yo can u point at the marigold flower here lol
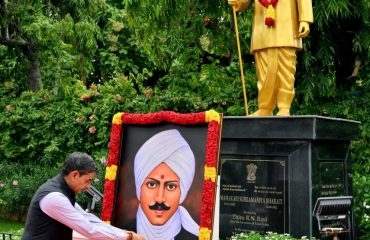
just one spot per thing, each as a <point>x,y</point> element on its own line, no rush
<point>117,118</point>
<point>212,115</point>
<point>111,172</point>
<point>204,234</point>
<point>210,173</point>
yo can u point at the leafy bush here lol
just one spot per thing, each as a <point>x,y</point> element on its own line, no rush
<point>17,186</point>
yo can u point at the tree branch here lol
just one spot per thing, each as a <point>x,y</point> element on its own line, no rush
<point>13,42</point>
<point>17,29</point>
<point>2,7</point>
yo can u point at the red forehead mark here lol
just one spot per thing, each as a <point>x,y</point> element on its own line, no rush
<point>162,176</point>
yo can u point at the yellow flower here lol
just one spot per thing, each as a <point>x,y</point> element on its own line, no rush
<point>270,12</point>
<point>113,48</point>
<point>204,234</point>
<point>111,172</point>
<point>117,26</point>
<point>107,222</point>
<point>117,118</point>
<point>210,173</point>
<point>113,38</point>
<point>212,115</point>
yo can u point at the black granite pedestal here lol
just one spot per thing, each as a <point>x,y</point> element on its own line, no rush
<point>273,169</point>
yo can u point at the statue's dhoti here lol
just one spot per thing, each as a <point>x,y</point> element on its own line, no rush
<point>275,72</point>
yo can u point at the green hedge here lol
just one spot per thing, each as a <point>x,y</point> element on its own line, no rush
<point>38,129</point>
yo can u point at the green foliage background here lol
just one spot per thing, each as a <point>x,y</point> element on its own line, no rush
<point>100,57</point>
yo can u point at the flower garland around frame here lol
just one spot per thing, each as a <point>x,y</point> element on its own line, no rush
<point>211,117</point>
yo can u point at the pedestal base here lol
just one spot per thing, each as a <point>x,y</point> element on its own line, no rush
<point>274,168</point>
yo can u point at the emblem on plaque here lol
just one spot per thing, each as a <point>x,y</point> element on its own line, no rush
<point>251,169</point>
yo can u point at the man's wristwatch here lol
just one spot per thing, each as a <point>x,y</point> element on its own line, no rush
<point>130,236</point>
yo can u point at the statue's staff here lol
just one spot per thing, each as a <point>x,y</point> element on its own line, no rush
<point>240,61</point>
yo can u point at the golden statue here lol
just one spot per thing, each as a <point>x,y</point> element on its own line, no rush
<point>278,29</point>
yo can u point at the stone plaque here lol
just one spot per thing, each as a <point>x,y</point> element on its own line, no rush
<point>253,196</point>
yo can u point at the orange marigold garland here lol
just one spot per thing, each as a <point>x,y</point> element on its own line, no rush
<point>210,165</point>
<point>270,11</point>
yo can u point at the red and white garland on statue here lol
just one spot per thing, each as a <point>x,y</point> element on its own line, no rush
<point>270,12</point>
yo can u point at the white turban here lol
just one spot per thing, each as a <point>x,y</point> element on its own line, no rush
<point>167,147</point>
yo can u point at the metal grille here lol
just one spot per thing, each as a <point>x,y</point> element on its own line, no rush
<point>333,208</point>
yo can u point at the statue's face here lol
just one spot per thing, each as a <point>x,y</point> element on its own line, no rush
<point>160,194</point>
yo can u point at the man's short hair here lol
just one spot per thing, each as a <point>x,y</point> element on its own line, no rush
<point>79,161</point>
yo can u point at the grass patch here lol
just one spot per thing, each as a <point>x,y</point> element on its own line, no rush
<point>10,226</point>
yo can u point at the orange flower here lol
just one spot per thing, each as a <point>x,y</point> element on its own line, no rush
<point>148,92</point>
<point>85,97</point>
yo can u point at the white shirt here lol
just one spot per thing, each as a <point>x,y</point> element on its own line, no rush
<point>57,206</point>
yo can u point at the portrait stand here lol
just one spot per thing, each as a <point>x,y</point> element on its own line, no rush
<point>131,135</point>
<point>95,196</point>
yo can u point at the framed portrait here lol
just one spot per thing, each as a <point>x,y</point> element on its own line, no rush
<point>161,174</point>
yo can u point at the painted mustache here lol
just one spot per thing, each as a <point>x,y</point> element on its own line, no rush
<point>159,206</point>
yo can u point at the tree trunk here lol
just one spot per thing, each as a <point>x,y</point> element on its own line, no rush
<point>34,76</point>
<point>20,40</point>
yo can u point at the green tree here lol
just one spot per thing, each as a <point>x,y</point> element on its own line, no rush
<point>13,36</point>
<point>61,42</point>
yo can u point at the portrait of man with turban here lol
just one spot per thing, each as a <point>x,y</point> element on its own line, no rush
<point>160,188</point>
<point>164,168</point>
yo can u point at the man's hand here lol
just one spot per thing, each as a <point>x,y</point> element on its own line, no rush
<point>137,237</point>
<point>133,236</point>
<point>233,2</point>
<point>238,5</point>
<point>304,29</point>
